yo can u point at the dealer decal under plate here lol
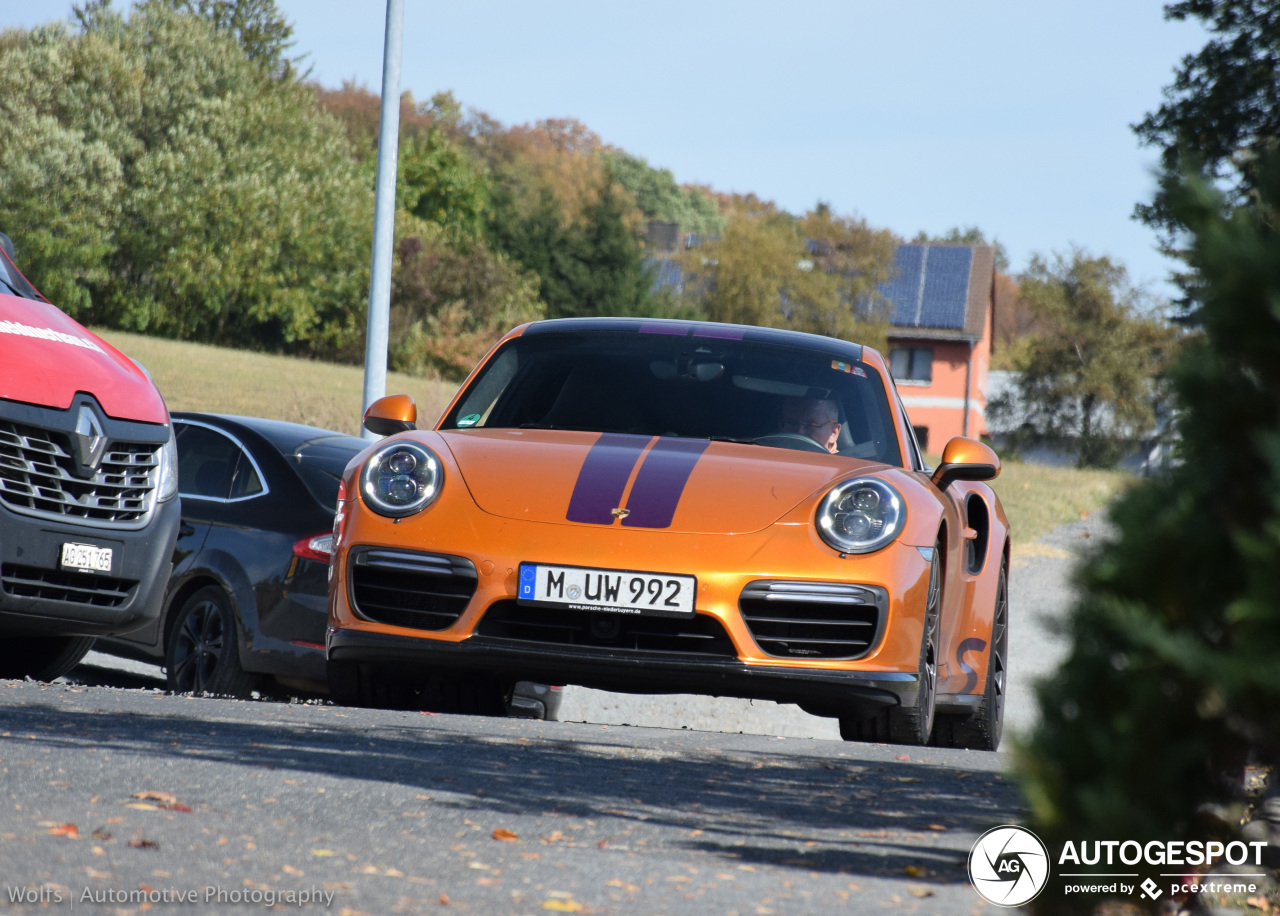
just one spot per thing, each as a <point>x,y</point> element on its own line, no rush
<point>615,591</point>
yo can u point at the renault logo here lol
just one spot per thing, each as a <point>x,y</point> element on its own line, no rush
<point>91,439</point>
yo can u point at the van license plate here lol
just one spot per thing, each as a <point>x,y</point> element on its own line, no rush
<point>86,558</point>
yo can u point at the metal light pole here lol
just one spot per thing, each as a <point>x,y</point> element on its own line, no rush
<point>384,213</point>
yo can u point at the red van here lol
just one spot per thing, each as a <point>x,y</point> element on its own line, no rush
<point>88,486</point>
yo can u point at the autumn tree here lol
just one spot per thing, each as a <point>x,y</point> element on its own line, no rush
<point>765,270</point>
<point>1092,370</point>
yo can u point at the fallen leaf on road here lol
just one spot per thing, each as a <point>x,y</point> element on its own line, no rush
<point>141,842</point>
<point>444,899</point>
<point>937,827</point>
<point>151,795</point>
<point>290,870</point>
<point>562,906</point>
<point>505,836</point>
<point>630,888</point>
<point>903,757</point>
<point>920,892</point>
<point>70,830</point>
<point>915,871</point>
<point>322,853</point>
<point>100,834</point>
<point>142,805</point>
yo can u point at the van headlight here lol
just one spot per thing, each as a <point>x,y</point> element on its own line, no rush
<point>401,478</point>
<point>168,468</point>
<point>861,515</point>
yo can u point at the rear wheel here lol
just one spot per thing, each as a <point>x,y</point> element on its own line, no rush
<point>910,724</point>
<point>43,658</point>
<point>201,654</point>
<point>981,731</point>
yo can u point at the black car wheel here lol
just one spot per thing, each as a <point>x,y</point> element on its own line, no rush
<point>981,731</point>
<point>201,655</point>
<point>910,724</point>
<point>42,658</point>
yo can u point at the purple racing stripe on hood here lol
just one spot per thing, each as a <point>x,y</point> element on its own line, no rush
<point>661,481</point>
<point>603,477</point>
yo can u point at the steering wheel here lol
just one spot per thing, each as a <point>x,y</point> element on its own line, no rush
<point>796,441</point>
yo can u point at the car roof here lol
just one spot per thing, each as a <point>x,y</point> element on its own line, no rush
<point>288,438</point>
<point>700,329</point>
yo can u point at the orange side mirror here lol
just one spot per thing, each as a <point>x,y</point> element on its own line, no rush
<point>390,415</point>
<point>966,459</point>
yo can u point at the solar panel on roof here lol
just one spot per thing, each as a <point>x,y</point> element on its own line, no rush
<point>904,289</point>
<point>946,288</point>
<point>930,287</point>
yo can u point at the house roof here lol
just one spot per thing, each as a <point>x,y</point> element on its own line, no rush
<point>940,292</point>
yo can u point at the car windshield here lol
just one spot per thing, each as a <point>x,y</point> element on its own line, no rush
<point>761,392</point>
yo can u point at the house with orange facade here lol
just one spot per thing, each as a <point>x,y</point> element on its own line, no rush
<point>942,301</point>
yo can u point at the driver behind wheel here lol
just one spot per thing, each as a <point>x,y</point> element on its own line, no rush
<point>819,420</point>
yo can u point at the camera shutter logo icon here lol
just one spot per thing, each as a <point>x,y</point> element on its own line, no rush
<point>1008,866</point>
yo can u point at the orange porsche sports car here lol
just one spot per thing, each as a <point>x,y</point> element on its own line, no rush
<point>675,507</point>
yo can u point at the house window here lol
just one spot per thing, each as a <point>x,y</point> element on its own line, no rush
<point>911,364</point>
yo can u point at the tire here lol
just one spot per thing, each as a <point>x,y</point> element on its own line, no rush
<point>910,724</point>
<point>202,655</point>
<point>981,731</point>
<point>42,658</point>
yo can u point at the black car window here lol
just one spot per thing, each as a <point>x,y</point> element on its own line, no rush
<point>245,480</point>
<point>684,386</point>
<point>207,461</point>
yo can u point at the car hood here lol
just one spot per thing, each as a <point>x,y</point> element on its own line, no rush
<point>681,485</point>
<point>48,357</point>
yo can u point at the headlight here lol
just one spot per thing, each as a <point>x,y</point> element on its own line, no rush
<point>861,515</point>
<point>401,478</point>
<point>168,468</point>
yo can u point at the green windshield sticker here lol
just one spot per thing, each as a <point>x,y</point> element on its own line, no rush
<point>470,419</point>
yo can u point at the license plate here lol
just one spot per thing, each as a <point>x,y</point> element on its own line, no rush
<point>86,558</point>
<point>614,591</point>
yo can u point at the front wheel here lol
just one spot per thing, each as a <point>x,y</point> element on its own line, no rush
<point>42,658</point>
<point>201,655</point>
<point>910,724</point>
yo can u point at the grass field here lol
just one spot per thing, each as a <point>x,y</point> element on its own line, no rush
<point>199,377</point>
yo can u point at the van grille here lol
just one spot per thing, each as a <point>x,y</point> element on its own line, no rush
<point>403,588</point>
<point>813,619</point>
<point>699,635</point>
<point>37,477</point>
<point>56,585</point>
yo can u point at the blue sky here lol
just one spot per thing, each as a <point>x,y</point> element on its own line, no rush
<point>1012,116</point>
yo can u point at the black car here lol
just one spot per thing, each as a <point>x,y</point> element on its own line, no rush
<point>248,597</point>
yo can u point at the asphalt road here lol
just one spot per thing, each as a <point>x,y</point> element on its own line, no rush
<point>109,793</point>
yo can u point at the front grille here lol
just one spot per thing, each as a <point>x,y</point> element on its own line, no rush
<point>56,585</point>
<point>402,588</point>
<point>699,635</point>
<point>37,477</point>
<point>813,619</point>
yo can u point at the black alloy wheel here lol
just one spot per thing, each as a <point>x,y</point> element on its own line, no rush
<point>910,724</point>
<point>202,656</point>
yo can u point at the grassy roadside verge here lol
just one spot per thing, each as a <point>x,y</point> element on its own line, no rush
<point>200,377</point>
